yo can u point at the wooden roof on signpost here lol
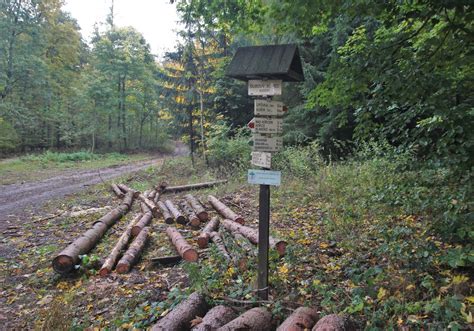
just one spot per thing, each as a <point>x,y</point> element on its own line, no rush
<point>267,62</point>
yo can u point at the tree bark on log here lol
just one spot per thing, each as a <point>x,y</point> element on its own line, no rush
<point>133,252</point>
<point>301,319</point>
<point>217,239</point>
<point>110,261</point>
<point>215,318</point>
<point>192,217</point>
<point>225,211</point>
<point>335,322</point>
<point>211,226</point>
<point>197,207</point>
<point>175,212</point>
<point>181,188</point>
<point>118,192</point>
<point>65,261</point>
<point>150,204</point>
<point>184,249</point>
<point>179,319</point>
<point>142,223</point>
<point>126,189</point>
<point>255,319</point>
<point>252,235</point>
<point>166,213</point>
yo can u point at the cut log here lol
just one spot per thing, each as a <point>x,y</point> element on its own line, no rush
<point>216,239</point>
<point>142,223</point>
<point>225,211</point>
<point>197,207</point>
<point>203,238</point>
<point>126,189</point>
<point>194,221</point>
<point>301,319</point>
<point>118,192</point>
<point>335,322</point>
<point>150,204</point>
<point>65,261</point>
<point>181,188</point>
<point>175,212</point>
<point>255,319</point>
<point>184,249</point>
<point>252,235</point>
<point>110,261</point>
<point>181,316</point>
<point>166,260</point>
<point>165,212</point>
<point>133,252</point>
<point>215,318</point>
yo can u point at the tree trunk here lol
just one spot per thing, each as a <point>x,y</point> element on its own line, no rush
<point>198,207</point>
<point>166,213</point>
<point>132,254</point>
<point>192,217</point>
<point>141,224</point>
<point>215,318</point>
<point>210,227</point>
<point>216,239</point>
<point>255,319</point>
<point>225,211</point>
<point>118,248</point>
<point>126,189</point>
<point>335,322</point>
<point>175,212</point>
<point>184,249</point>
<point>150,204</point>
<point>179,319</point>
<point>117,191</point>
<point>301,319</point>
<point>180,188</point>
<point>65,261</point>
<point>252,235</point>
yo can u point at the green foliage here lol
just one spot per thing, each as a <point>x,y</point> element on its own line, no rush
<point>8,136</point>
<point>64,157</point>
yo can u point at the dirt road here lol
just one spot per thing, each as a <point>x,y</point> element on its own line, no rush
<point>17,200</point>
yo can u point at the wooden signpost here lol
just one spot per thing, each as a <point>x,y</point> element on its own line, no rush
<point>265,68</point>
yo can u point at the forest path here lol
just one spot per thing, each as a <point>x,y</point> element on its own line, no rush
<point>19,200</point>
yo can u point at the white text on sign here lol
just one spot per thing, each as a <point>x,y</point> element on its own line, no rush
<point>264,177</point>
<point>265,87</point>
<point>262,159</point>
<point>268,125</point>
<point>263,143</point>
<point>268,108</point>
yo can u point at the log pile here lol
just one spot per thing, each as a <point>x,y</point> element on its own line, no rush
<point>194,220</point>
<point>224,211</point>
<point>197,207</point>
<point>65,261</point>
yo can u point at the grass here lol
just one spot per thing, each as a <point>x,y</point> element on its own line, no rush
<point>35,167</point>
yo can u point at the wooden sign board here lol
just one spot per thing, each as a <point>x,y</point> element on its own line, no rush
<point>263,143</point>
<point>262,159</point>
<point>268,108</point>
<point>264,87</point>
<point>264,177</point>
<point>268,125</point>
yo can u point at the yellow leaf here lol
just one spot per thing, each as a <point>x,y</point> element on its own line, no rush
<point>410,287</point>
<point>460,279</point>
<point>470,299</point>
<point>323,245</point>
<point>316,282</point>
<point>382,293</point>
<point>283,269</point>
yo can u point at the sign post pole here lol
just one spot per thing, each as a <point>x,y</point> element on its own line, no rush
<point>263,241</point>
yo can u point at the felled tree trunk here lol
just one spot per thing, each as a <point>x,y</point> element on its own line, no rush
<point>335,322</point>
<point>117,191</point>
<point>181,316</point>
<point>175,212</point>
<point>165,212</point>
<point>215,318</point>
<point>126,189</point>
<point>301,319</point>
<point>211,226</point>
<point>197,207</point>
<point>110,261</point>
<point>132,254</point>
<point>225,211</point>
<point>184,249</point>
<point>150,204</point>
<point>65,261</point>
<point>143,222</point>
<point>189,187</point>
<point>252,235</point>
<point>216,239</point>
<point>192,217</point>
<point>255,319</point>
